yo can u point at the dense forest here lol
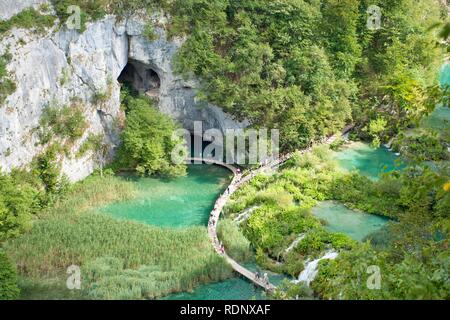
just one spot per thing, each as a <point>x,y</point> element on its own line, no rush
<point>305,67</point>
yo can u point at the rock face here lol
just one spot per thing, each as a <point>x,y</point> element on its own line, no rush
<point>63,65</point>
<point>12,7</point>
<point>176,95</point>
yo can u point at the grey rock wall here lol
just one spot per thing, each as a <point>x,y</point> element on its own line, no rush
<point>64,64</point>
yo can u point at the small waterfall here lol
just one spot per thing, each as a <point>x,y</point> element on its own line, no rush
<point>389,144</point>
<point>345,136</point>
<point>244,215</point>
<point>294,243</point>
<point>310,271</point>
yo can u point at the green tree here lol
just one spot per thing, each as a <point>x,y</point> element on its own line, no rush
<point>147,141</point>
<point>17,202</point>
<point>8,279</point>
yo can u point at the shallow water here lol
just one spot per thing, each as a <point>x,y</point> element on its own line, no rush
<point>187,201</point>
<point>369,161</point>
<point>355,224</point>
<point>444,77</point>
<point>230,289</point>
<point>180,202</point>
<point>236,288</point>
<point>183,202</point>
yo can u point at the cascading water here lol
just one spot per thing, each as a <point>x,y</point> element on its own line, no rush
<point>245,215</point>
<point>310,271</point>
<point>294,243</point>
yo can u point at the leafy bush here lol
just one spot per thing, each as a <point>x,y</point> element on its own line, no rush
<point>147,141</point>
<point>67,122</point>
<point>288,290</point>
<point>149,32</point>
<point>8,279</point>
<point>48,171</point>
<point>424,146</point>
<point>416,276</point>
<point>92,143</point>
<point>24,193</point>
<point>7,85</point>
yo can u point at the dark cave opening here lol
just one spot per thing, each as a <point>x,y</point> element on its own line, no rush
<point>142,78</point>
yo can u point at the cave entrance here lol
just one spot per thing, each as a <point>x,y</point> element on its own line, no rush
<point>142,78</point>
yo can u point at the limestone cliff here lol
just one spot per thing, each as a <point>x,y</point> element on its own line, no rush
<point>63,65</point>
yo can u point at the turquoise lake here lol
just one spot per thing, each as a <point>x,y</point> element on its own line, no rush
<point>180,202</point>
<point>187,201</point>
<point>369,161</point>
<point>353,223</point>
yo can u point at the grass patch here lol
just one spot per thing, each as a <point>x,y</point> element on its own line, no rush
<point>119,259</point>
<point>235,243</point>
<point>28,19</point>
<point>46,289</point>
<point>7,85</point>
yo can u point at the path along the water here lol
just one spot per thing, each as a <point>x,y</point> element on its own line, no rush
<point>238,181</point>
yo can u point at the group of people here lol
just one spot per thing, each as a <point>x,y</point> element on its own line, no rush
<point>264,278</point>
<point>221,247</point>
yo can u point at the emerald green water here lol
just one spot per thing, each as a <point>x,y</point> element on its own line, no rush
<point>444,77</point>
<point>230,289</point>
<point>369,161</point>
<point>188,201</point>
<point>179,202</point>
<point>353,223</point>
<point>184,202</point>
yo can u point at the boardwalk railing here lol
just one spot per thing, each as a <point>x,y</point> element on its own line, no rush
<point>236,183</point>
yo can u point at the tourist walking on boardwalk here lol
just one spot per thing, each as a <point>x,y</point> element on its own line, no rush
<point>266,278</point>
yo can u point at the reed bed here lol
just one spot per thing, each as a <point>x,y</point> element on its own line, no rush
<point>91,193</point>
<point>119,259</point>
<point>235,243</point>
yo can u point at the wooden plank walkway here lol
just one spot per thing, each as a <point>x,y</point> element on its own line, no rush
<point>215,216</point>
<point>238,181</point>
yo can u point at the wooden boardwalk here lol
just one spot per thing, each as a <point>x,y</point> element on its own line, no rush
<point>214,217</point>
<point>238,181</point>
